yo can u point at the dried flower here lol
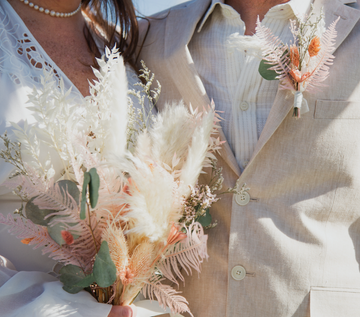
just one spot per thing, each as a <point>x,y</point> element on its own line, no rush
<point>27,240</point>
<point>142,224</point>
<point>302,65</point>
<point>314,47</point>
<point>294,56</point>
<point>175,235</point>
<point>67,236</point>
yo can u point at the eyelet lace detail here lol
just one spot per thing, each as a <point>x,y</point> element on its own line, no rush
<point>20,59</point>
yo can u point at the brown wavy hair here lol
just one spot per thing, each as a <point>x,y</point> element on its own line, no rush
<point>116,20</point>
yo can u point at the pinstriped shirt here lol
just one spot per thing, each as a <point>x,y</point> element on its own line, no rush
<point>227,62</point>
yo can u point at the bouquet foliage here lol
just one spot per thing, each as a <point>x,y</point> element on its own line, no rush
<point>124,212</point>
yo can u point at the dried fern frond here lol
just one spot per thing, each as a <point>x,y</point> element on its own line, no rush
<point>187,254</point>
<point>324,59</point>
<point>166,296</point>
<point>38,236</point>
<point>275,52</point>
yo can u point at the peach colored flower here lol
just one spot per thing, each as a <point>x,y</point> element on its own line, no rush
<point>67,236</point>
<point>305,76</point>
<point>127,276</point>
<point>296,74</point>
<point>175,235</point>
<point>294,56</point>
<point>27,240</point>
<point>314,47</point>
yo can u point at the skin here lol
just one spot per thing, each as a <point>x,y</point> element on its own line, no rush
<point>64,41</point>
<point>250,10</point>
<point>61,38</point>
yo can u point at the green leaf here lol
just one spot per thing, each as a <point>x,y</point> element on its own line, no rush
<point>55,233</point>
<point>265,72</point>
<point>206,219</point>
<point>87,179</point>
<point>94,186</point>
<point>87,281</point>
<point>74,279</point>
<point>37,215</point>
<point>71,188</point>
<point>72,289</point>
<point>104,268</point>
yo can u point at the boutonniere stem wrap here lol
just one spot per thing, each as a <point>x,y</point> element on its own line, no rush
<point>304,64</point>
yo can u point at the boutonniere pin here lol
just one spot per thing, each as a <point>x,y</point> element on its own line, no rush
<point>302,65</point>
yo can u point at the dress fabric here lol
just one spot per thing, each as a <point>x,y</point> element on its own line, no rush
<point>31,292</point>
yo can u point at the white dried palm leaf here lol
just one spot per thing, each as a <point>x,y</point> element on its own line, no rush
<point>153,199</point>
<point>172,134</point>
<point>197,153</point>
<point>143,148</point>
<point>107,106</point>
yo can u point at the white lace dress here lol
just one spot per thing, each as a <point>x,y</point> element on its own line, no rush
<point>32,292</point>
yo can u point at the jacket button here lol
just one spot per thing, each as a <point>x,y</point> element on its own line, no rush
<point>244,106</point>
<point>242,198</point>
<point>238,273</point>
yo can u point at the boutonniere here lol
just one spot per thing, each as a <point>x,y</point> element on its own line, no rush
<point>302,65</point>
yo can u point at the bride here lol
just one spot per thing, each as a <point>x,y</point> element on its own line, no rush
<point>63,37</point>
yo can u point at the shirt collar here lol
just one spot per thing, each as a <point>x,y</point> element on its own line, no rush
<point>293,7</point>
<point>213,4</point>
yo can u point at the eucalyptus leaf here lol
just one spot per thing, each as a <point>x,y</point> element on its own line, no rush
<point>55,230</point>
<point>94,186</point>
<point>37,215</point>
<point>104,268</point>
<point>72,289</point>
<point>71,274</point>
<point>73,278</point>
<point>265,72</point>
<point>55,233</point>
<point>87,179</point>
<point>87,281</point>
<point>71,188</point>
<point>206,219</point>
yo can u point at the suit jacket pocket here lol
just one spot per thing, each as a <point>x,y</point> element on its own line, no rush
<point>334,302</point>
<point>337,109</point>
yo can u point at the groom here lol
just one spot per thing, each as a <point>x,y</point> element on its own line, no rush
<point>290,244</point>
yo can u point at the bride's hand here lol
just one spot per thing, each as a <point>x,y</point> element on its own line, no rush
<point>123,311</point>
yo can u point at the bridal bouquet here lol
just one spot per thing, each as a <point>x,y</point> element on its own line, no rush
<point>126,212</point>
<point>304,64</point>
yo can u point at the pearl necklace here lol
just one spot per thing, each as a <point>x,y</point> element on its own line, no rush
<point>51,12</point>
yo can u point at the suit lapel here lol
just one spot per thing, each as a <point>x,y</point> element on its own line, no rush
<point>179,61</point>
<point>332,10</point>
<point>283,102</point>
<point>183,70</point>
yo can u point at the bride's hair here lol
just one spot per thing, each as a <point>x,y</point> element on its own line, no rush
<point>117,23</point>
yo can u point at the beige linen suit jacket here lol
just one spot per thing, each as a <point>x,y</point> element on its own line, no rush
<point>299,236</point>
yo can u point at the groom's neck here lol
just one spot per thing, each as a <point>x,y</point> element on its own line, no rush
<point>250,10</point>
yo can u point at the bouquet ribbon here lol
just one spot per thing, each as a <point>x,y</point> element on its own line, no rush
<point>300,102</point>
